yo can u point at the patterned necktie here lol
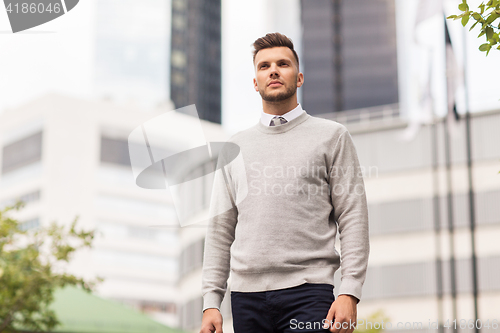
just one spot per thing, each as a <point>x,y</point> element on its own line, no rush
<point>277,120</point>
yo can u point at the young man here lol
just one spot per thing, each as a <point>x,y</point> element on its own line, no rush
<point>298,183</point>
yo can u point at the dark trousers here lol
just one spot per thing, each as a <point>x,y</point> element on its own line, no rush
<point>301,308</point>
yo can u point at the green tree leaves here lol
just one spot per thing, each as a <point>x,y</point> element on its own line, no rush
<point>486,16</point>
<point>31,269</point>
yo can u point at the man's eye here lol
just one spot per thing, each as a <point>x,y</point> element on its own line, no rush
<point>284,64</point>
<point>263,66</point>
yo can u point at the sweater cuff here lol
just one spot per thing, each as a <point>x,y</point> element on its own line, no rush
<point>350,287</point>
<point>211,300</point>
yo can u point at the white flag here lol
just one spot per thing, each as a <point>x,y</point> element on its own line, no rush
<point>427,21</point>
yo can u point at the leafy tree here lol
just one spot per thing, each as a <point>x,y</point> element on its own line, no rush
<point>486,16</point>
<point>32,267</point>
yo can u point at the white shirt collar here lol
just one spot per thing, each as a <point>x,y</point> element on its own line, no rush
<point>265,118</point>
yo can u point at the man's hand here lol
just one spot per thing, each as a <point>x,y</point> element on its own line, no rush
<point>211,321</point>
<point>344,311</point>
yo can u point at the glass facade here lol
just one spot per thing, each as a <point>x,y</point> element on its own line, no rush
<point>195,67</point>
<point>349,54</point>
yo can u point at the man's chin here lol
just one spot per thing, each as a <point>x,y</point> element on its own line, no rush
<point>276,97</point>
<point>273,98</point>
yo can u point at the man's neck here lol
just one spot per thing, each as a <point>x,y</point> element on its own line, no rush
<point>279,108</point>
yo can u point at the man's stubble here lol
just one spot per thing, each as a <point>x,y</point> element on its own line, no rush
<point>281,96</point>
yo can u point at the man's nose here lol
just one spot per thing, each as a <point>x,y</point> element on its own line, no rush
<point>274,70</point>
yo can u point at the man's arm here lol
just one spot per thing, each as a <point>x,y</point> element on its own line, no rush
<point>218,241</point>
<point>351,213</point>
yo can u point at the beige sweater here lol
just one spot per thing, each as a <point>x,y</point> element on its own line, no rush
<point>277,204</point>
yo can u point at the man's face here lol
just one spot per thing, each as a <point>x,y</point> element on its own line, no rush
<point>276,74</point>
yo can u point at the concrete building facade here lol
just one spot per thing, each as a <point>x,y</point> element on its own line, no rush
<point>67,157</point>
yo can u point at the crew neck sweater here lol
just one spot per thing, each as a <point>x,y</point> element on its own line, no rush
<point>265,118</point>
<point>276,209</point>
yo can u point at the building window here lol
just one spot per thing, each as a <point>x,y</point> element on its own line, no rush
<point>178,79</point>
<point>179,5</point>
<point>135,207</point>
<point>110,230</point>
<point>191,314</point>
<point>191,257</point>
<point>179,59</point>
<point>114,151</point>
<point>179,22</point>
<point>26,198</point>
<point>30,224</point>
<point>136,261</point>
<point>22,152</point>
<point>419,279</point>
<point>152,306</point>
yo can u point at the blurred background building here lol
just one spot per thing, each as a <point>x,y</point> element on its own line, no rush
<point>67,157</point>
<point>195,74</point>
<point>411,205</point>
<point>349,54</point>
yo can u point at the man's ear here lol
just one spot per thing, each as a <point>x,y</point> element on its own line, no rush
<point>300,79</point>
<point>255,86</point>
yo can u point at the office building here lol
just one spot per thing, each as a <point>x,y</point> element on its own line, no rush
<point>349,55</point>
<point>195,66</point>
<point>67,157</point>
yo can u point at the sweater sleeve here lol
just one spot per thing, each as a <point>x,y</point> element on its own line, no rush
<point>218,240</point>
<point>351,214</point>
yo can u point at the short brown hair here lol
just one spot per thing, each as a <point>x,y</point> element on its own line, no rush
<point>274,39</point>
